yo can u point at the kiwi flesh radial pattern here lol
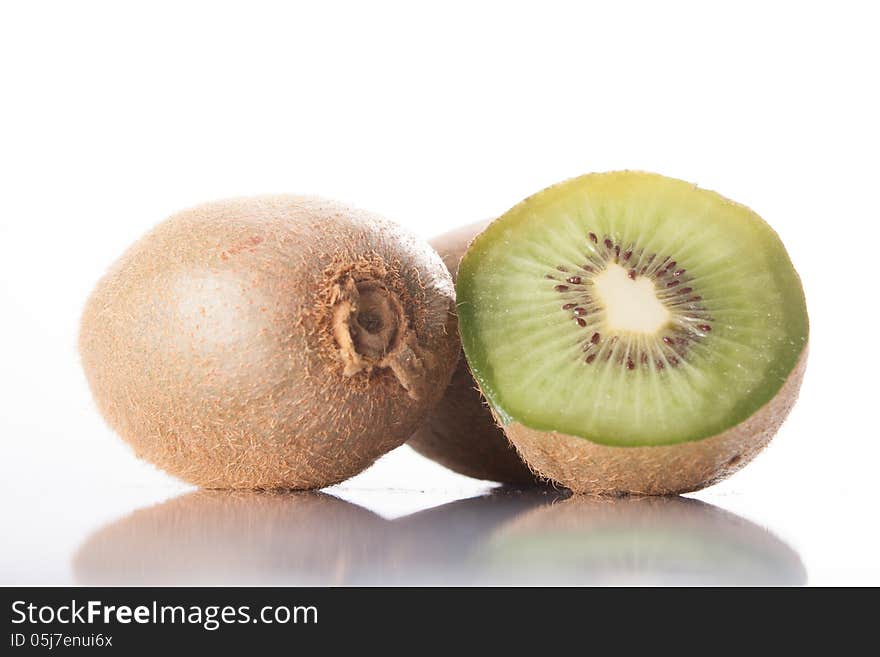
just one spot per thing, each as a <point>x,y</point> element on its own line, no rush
<point>633,333</point>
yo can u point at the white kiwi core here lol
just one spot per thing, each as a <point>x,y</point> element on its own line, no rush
<point>631,306</point>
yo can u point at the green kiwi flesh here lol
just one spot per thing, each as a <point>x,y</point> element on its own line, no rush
<point>270,342</point>
<point>633,333</point>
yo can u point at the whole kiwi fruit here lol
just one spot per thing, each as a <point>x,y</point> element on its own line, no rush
<point>270,342</point>
<point>633,334</point>
<point>460,432</point>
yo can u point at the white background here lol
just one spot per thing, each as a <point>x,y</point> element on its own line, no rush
<point>113,116</point>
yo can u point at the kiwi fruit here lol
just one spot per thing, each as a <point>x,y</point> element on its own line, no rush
<point>633,334</point>
<point>587,540</point>
<point>460,432</point>
<point>211,537</point>
<point>270,342</point>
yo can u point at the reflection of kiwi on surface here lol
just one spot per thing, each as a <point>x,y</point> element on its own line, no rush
<point>234,537</point>
<point>460,432</point>
<point>438,546</point>
<point>270,342</point>
<point>633,333</point>
<point>655,540</point>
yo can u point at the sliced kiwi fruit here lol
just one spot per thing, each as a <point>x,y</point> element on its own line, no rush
<point>460,432</point>
<point>270,342</point>
<point>633,333</point>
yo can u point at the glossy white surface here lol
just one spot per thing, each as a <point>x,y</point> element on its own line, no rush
<point>114,117</point>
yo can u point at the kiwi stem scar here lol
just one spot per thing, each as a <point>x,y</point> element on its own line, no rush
<point>372,331</point>
<point>367,320</point>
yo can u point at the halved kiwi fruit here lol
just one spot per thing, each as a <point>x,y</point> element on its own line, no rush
<point>460,432</point>
<point>633,333</point>
<point>270,342</point>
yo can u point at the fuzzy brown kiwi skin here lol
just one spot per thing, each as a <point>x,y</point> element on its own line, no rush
<point>226,346</point>
<point>460,433</point>
<point>590,468</point>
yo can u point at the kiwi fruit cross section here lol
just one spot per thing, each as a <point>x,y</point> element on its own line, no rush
<point>633,333</point>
